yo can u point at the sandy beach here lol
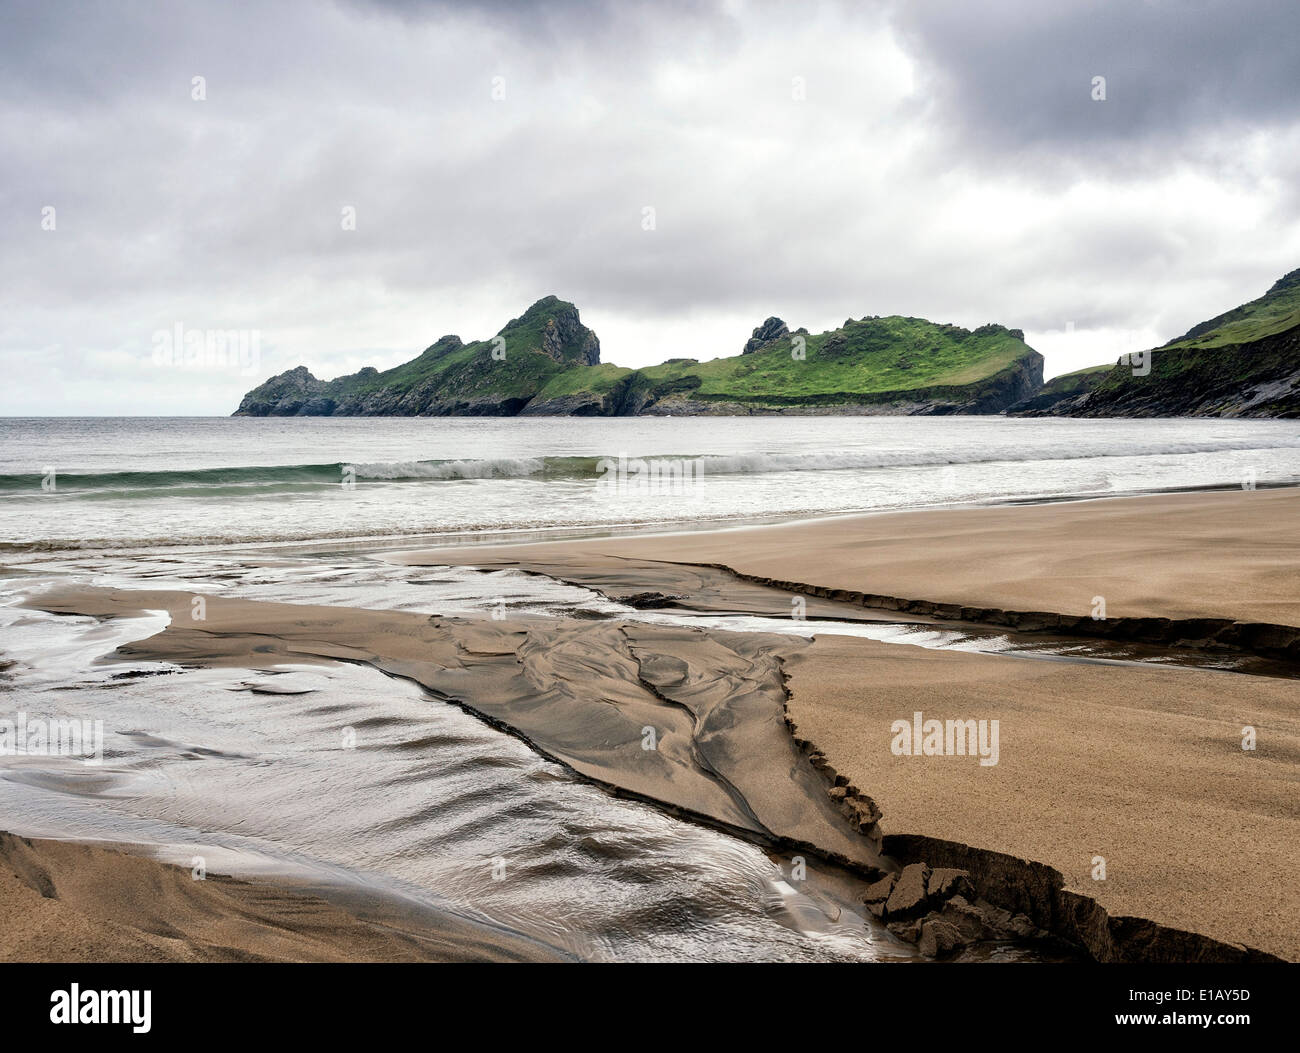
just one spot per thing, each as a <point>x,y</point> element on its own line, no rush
<point>64,902</point>
<point>1119,788</point>
<point>1140,766</point>
<point>1225,554</point>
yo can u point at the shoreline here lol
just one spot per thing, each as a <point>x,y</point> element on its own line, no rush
<point>1043,557</point>
<point>833,697</point>
<point>525,535</point>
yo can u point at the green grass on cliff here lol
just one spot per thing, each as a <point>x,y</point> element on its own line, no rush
<point>599,380</point>
<point>871,356</point>
<point>465,371</point>
<point>863,360</point>
<point>1222,354</point>
<point>1275,312</point>
<point>471,370</point>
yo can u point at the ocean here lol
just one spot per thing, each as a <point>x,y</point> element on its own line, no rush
<point>107,482</point>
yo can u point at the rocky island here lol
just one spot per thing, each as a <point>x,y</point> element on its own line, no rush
<point>546,362</point>
<point>1243,363</point>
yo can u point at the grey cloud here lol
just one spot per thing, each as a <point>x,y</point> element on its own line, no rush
<point>951,202</point>
<point>1017,74</point>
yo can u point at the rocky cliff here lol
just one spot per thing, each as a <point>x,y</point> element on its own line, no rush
<point>495,377</point>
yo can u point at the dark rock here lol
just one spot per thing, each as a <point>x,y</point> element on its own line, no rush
<point>1139,940</point>
<point>1026,900</point>
<point>862,811</point>
<point>879,891</point>
<point>1058,395</point>
<point>564,337</point>
<point>1016,885</point>
<point>283,396</point>
<point>1021,926</point>
<point>966,918</point>
<point>772,329</point>
<point>586,404</point>
<point>1083,921</point>
<point>643,601</point>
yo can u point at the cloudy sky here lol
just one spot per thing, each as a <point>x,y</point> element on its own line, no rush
<point>941,158</point>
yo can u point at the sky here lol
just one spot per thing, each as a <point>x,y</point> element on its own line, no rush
<point>339,184</point>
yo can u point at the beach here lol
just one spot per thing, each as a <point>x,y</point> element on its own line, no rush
<point>753,681</point>
<point>1140,768</point>
<point>1228,554</point>
<point>66,902</point>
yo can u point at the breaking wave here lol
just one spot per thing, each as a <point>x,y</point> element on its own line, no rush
<point>258,480</point>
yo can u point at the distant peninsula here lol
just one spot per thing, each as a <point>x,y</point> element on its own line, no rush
<point>1242,363</point>
<point>547,363</point>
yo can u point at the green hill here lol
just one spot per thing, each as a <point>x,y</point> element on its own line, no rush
<point>1277,311</point>
<point>547,363</point>
<point>495,377</point>
<point>1242,363</point>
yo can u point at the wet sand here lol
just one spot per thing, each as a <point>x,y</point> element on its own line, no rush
<point>1139,764</point>
<point>65,902</point>
<point>689,720</point>
<point>1227,554</point>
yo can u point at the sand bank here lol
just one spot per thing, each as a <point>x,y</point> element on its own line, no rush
<point>66,902</point>
<point>1137,765</point>
<point>1140,767</point>
<point>1222,555</point>
<point>692,721</point>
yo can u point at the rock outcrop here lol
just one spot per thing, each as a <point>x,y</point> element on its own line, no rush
<point>292,393</point>
<point>563,333</point>
<point>1258,379</point>
<point>772,329</point>
<point>1058,391</point>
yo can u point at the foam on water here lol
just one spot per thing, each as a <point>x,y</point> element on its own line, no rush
<point>151,483</point>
